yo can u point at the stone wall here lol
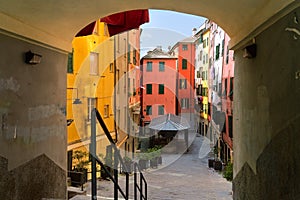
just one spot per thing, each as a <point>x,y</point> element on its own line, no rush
<point>33,133</point>
<point>267,119</point>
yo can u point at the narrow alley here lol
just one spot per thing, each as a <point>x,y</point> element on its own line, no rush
<point>188,177</point>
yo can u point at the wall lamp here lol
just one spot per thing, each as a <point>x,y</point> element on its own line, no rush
<point>32,58</point>
<point>250,50</point>
<point>76,100</point>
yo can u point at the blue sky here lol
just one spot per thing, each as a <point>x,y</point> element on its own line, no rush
<point>166,28</point>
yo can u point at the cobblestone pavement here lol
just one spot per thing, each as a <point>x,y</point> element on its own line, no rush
<point>188,177</point>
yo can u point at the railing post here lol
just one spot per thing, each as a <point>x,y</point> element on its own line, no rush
<point>135,182</point>
<point>127,185</point>
<point>141,186</point>
<point>93,153</point>
<point>116,163</point>
<point>146,191</point>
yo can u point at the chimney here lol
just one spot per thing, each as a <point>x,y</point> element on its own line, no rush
<point>194,31</point>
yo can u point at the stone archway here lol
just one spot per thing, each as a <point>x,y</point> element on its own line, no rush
<point>267,96</point>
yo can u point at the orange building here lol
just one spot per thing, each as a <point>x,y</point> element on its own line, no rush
<point>184,50</point>
<point>158,84</point>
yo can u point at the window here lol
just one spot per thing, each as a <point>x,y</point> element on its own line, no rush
<point>111,67</point>
<point>198,74</point>
<point>182,84</point>
<point>223,46</point>
<point>70,63</point>
<point>184,103</point>
<point>134,57</point>
<point>204,43</point>
<point>217,51</point>
<point>94,62</point>
<point>128,53</point>
<point>227,55</point>
<point>225,88</point>
<point>184,64</point>
<point>161,89</point>
<point>106,111</point>
<point>198,91</point>
<point>205,92</point>
<point>149,67</point>
<point>230,125</point>
<point>148,110</point>
<point>161,66</point>
<point>205,108</point>
<point>231,89</point>
<point>149,89</point>
<point>203,75</point>
<point>201,52</point>
<point>184,47</point>
<point>92,102</point>
<point>161,110</point>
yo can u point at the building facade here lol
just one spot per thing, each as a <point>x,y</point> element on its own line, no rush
<point>184,50</point>
<point>202,45</point>
<point>227,102</point>
<point>158,84</point>
<point>99,78</point>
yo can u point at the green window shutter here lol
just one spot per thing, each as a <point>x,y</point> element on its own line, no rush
<point>148,110</point>
<point>161,89</point>
<point>128,54</point>
<point>161,66</point>
<point>184,64</point>
<point>217,51</point>
<point>70,63</point>
<point>149,88</point>
<point>149,67</point>
<point>161,110</point>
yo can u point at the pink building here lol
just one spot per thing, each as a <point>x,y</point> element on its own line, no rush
<point>227,100</point>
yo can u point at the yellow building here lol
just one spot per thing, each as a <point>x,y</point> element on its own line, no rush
<point>205,81</point>
<point>90,83</point>
<point>102,66</point>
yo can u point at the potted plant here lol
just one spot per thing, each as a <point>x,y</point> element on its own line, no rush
<point>217,164</point>
<point>211,163</point>
<point>228,171</point>
<point>159,157</point>
<point>79,172</point>
<point>128,164</point>
<point>155,155</point>
<point>143,160</point>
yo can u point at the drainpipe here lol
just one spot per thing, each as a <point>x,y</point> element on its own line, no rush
<point>115,93</point>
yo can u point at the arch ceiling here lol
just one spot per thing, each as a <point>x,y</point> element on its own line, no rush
<point>54,23</point>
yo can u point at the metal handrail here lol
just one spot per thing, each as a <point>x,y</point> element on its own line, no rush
<point>138,187</point>
<point>117,158</point>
